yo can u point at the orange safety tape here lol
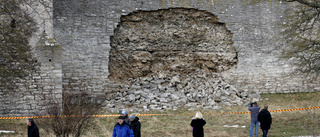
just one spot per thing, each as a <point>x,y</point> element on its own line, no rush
<point>224,113</point>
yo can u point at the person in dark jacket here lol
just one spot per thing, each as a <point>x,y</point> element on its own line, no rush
<point>197,124</point>
<point>135,125</point>
<point>121,129</point>
<point>33,130</point>
<point>254,108</point>
<point>265,120</point>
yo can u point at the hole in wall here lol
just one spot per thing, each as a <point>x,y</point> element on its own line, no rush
<point>174,41</point>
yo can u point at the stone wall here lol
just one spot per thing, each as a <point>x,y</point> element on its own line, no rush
<point>113,41</point>
<point>45,82</point>
<point>86,39</point>
<point>93,37</point>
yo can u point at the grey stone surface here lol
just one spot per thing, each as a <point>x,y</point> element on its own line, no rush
<point>82,60</point>
<point>253,27</point>
<point>46,82</point>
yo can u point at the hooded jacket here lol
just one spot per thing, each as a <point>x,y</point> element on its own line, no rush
<point>254,113</point>
<point>123,130</point>
<point>265,119</point>
<point>136,126</point>
<point>33,130</point>
<point>197,125</point>
<point>127,120</point>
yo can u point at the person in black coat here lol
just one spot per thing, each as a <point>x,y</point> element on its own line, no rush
<point>135,125</point>
<point>33,130</point>
<point>265,120</point>
<point>197,124</point>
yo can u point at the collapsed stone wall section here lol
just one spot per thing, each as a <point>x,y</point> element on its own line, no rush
<point>204,90</point>
<point>170,41</point>
<point>171,58</point>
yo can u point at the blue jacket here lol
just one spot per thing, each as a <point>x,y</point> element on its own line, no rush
<point>122,130</point>
<point>254,113</point>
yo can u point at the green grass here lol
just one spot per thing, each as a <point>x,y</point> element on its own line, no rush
<point>284,123</point>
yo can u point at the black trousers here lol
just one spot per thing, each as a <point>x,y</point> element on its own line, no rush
<point>265,132</point>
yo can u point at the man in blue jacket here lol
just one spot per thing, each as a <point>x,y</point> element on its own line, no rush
<point>254,108</point>
<point>121,129</point>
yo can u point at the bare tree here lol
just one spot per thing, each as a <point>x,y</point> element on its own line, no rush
<point>301,37</point>
<point>72,117</point>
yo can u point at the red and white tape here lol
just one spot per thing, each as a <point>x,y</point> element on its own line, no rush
<point>224,113</point>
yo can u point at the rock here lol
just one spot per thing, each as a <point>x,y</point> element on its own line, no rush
<point>191,109</point>
<point>246,104</point>
<point>164,95</point>
<point>212,102</point>
<point>227,103</point>
<point>175,92</point>
<point>147,100</point>
<point>145,95</point>
<point>153,107</point>
<point>217,107</point>
<point>137,97</point>
<point>174,97</point>
<point>191,104</point>
<point>175,79</point>
<point>255,99</point>
<point>110,105</point>
<point>163,100</point>
<point>191,100</point>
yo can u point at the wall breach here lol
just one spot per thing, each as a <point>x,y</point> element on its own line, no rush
<point>170,41</point>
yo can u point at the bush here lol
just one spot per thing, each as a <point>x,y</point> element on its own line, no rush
<point>69,115</point>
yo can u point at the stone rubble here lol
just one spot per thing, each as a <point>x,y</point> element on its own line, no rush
<point>204,90</point>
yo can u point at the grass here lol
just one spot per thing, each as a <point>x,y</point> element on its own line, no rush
<point>284,123</point>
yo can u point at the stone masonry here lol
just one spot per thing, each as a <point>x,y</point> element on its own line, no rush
<point>45,82</point>
<point>117,49</point>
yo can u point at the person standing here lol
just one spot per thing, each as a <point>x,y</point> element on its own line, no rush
<point>126,118</point>
<point>254,108</point>
<point>121,129</point>
<point>197,124</point>
<point>265,120</point>
<point>33,130</point>
<point>135,125</point>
